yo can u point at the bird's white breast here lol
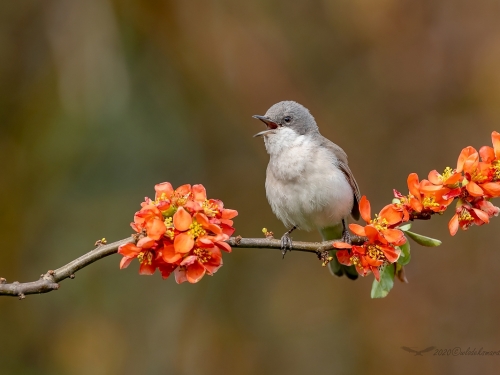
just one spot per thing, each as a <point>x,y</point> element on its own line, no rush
<point>303,185</point>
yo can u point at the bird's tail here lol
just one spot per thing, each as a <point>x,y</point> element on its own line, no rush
<point>337,269</point>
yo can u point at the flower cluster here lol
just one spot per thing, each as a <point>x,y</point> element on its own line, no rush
<point>474,181</point>
<point>382,243</point>
<point>180,231</point>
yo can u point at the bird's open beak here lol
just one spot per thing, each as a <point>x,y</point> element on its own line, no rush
<point>271,126</point>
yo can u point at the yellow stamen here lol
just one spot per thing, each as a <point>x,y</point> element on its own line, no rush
<point>465,216</point>
<point>355,260</point>
<point>196,230</point>
<point>495,166</point>
<point>210,208</point>
<point>446,173</point>
<point>375,252</point>
<point>379,222</point>
<point>145,257</point>
<point>203,255</point>
<point>428,202</point>
<point>169,222</point>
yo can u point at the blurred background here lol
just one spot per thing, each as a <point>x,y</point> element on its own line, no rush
<point>100,100</point>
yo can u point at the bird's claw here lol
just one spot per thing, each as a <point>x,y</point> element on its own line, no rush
<point>286,244</point>
<point>346,236</point>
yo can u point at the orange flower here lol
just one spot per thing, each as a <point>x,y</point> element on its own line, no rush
<point>425,196</point>
<point>180,231</point>
<point>380,228</point>
<point>367,258</point>
<point>381,246</point>
<point>465,216</point>
<point>482,177</point>
<point>149,218</point>
<point>190,228</point>
<point>144,252</point>
<point>486,206</point>
<point>450,178</point>
<point>205,260</point>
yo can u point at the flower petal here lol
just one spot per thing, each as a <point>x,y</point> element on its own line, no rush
<point>453,225</point>
<point>394,236</point>
<point>124,263</point>
<point>223,246</point>
<point>365,209</point>
<point>183,243</point>
<point>391,253</point>
<point>195,272</point>
<point>426,187</point>
<point>228,213</point>
<point>487,154</point>
<point>180,275</point>
<point>344,257</point>
<point>491,188</point>
<point>483,216</point>
<point>182,219</point>
<point>413,185</point>
<point>464,154</point>
<point>474,189</point>
<point>357,229</point>
<point>227,230</point>
<point>147,269</point>
<point>169,255</point>
<point>416,204</point>
<point>495,139</point>
<point>156,228</point>
<point>341,245</point>
<point>164,188</point>
<point>215,261</point>
<point>129,250</point>
<point>391,214</point>
<point>453,179</point>
<point>435,177</point>
<point>199,193</point>
<point>166,269</point>
<point>373,234</point>
<point>183,190</point>
<point>471,163</point>
<point>146,243</point>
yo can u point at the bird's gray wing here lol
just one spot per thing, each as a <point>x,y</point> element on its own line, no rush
<point>354,185</point>
<point>342,164</point>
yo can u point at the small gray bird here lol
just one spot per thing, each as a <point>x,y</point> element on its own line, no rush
<point>308,182</point>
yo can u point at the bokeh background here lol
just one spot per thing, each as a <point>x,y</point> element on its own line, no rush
<point>100,100</point>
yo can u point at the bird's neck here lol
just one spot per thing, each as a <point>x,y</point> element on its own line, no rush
<point>283,141</point>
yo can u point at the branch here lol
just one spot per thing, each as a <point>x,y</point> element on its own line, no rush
<point>49,281</point>
<point>272,243</point>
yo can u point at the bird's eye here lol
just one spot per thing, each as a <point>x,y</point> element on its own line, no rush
<point>287,119</point>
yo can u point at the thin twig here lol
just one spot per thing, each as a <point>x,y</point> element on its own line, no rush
<point>49,281</point>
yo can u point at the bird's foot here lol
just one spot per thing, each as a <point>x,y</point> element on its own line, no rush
<point>286,243</point>
<point>346,236</point>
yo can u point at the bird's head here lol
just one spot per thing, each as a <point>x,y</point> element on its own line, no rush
<point>287,116</point>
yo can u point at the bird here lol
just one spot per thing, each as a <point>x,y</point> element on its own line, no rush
<point>418,352</point>
<point>308,182</point>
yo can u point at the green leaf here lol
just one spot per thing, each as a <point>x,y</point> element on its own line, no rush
<point>381,288</point>
<point>405,227</point>
<point>423,240</point>
<point>405,256</point>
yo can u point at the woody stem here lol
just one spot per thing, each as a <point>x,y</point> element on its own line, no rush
<point>50,280</point>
